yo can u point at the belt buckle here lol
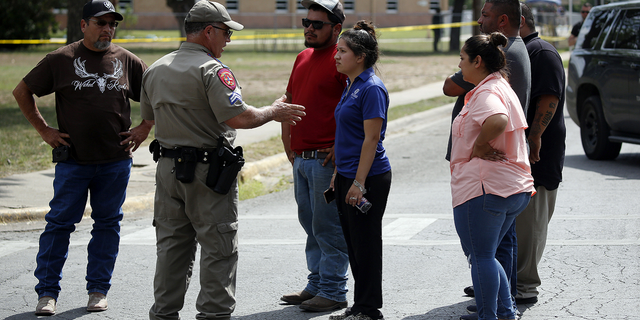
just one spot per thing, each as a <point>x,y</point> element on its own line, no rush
<point>306,155</point>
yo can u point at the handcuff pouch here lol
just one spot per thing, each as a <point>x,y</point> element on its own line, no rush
<point>185,164</point>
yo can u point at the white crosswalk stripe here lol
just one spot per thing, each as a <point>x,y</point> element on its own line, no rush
<point>396,231</point>
<point>9,247</point>
<point>405,228</point>
<point>400,231</point>
<point>145,236</point>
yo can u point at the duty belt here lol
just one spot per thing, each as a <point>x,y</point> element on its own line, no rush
<point>312,154</point>
<point>202,155</point>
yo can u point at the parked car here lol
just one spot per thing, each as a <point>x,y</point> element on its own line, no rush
<point>603,89</point>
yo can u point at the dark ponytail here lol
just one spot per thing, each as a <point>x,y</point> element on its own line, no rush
<point>489,47</point>
<point>361,39</point>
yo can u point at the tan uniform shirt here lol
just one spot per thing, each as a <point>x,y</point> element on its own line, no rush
<point>190,94</point>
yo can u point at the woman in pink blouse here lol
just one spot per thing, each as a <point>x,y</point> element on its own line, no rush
<point>491,179</point>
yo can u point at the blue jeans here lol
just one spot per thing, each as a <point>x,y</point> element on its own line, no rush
<point>326,249</point>
<point>482,223</point>
<point>507,255</point>
<point>107,183</point>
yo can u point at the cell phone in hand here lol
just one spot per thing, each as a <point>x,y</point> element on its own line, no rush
<point>329,195</point>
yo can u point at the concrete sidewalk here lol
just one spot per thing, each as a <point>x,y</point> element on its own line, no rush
<point>26,196</point>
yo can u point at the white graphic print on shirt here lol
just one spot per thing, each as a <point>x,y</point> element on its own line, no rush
<point>101,81</point>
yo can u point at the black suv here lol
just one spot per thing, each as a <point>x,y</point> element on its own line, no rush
<point>603,90</point>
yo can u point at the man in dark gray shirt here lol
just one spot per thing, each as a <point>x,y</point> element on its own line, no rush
<point>498,16</point>
<point>546,136</point>
<point>504,16</point>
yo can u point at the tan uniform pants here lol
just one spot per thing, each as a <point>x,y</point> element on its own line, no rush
<point>186,214</point>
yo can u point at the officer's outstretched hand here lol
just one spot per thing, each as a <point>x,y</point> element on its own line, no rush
<point>287,112</point>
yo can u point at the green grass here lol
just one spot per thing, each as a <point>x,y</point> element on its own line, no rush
<point>262,149</point>
<point>251,189</point>
<point>254,188</point>
<point>24,151</point>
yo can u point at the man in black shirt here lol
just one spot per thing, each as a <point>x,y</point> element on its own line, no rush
<point>576,27</point>
<point>546,136</point>
<point>93,81</point>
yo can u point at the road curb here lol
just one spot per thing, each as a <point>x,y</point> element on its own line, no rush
<point>254,168</point>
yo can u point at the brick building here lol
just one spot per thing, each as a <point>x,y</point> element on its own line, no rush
<point>270,14</point>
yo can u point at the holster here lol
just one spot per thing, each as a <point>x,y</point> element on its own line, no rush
<point>224,167</point>
<point>185,164</point>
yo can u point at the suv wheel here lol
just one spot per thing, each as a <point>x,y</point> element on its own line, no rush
<point>594,132</point>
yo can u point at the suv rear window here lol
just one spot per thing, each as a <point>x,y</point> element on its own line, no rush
<point>626,33</point>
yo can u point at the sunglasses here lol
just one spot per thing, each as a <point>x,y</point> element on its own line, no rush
<point>315,23</point>
<point>228,31</point>
<point>584,11</point>
<point>102,23</point>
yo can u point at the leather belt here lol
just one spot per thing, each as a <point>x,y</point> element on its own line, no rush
<point>312,154</point>
<point>202,155</point>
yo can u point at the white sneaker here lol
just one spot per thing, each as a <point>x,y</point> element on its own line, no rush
<point>343,316</point>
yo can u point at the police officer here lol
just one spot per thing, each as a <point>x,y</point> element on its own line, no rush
<point>196,102</point>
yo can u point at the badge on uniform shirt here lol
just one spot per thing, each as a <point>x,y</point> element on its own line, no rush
<point>227,78</point>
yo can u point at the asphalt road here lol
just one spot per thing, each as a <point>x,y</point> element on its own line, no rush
<point>590,269</point>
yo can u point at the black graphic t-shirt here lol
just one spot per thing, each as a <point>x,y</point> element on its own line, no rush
<point>92,97</point>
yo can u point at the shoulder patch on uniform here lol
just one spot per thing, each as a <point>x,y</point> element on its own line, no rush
<point>227,78</point>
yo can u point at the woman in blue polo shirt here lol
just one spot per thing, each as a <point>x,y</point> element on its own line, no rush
<point>362,167</point>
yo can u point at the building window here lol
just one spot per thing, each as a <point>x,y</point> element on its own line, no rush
<point>232,5</point>
<point>349,6</point>
<point>282,6</point>
<point>124,4</point>
<point>392,6</point>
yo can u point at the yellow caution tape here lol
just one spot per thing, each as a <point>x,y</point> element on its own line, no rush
<point>267,35</point>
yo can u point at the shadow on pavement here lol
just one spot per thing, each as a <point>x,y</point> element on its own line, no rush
<point>450,312</point>
<point>626,166</point>
<point>289,313</point>
<point>69,314</point>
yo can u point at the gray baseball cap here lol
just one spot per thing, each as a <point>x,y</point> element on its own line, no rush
<point>209,11</point>
<point>332,6</point>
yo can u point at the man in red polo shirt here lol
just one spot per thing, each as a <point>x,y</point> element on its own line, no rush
<point>316,84</point>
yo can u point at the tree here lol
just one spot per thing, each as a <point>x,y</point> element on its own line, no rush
<point>180,9</point>
<point>27,19</point>
<point>454,42</point>
<point>477,11</point>
<point>74,15</point>
<point>458,6</point>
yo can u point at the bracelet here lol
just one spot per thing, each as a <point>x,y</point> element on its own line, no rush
<point>357,184</point>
